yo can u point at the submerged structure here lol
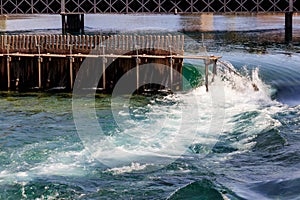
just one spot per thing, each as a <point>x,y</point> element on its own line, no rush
<point>51,62</point>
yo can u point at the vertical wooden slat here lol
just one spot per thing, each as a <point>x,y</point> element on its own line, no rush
<point>96,44</point>
<point>162,42</point>
<point>64,42</point>
<point>2,42</point>
<point>22,42</point>
<point>147,42</point>
<point>82,42</point>
<point>91,42</point>
<point>32,42</point>
<point>151,46</point>
<point>53,42</point>
<point>9,41</point>
<point>57,39</point>
<point>61,42</point>
<point>27,42</point>
<point>167,41</point>
<point>130,43</point>
<point>39,40</point>
<point>16,38</point>
<point>126,43</point>
<point>87,38</point>
<point>99,42</point>
<point>154,38</point>
<point>158,42</point>
<point>103,42</point>
<point>12,42</point>
<point>123,42</point>
<point>178,43</point>
<point>142,42</point>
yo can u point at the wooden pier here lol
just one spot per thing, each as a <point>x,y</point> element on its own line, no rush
<point>51,62</point>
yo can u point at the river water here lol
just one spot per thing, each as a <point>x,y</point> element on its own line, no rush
<point>229,143</point>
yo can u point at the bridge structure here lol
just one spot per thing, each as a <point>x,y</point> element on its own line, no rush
<point>72,11</point>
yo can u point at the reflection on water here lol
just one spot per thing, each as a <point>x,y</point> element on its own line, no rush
<point>118,22</point>
<point>218,28</point>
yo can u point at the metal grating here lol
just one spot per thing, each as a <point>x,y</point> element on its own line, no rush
<point>143,6</point>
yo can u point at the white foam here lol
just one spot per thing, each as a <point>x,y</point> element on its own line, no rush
<point>163,130</point>
<point>127,169</point>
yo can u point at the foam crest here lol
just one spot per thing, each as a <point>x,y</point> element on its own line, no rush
<point>170,127</point>
<point>134,167</point>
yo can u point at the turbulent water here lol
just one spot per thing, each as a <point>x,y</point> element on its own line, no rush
<point>232,142</point>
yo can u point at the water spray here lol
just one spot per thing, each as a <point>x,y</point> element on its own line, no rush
<point>254,85</point>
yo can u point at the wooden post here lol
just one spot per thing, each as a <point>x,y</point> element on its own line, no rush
<point>158,46</point>
<point>71,60</point>
<point>141,42</point>
<point>162,42</point>
<point>151,43</point>
<point>171,73</point>
<point>60,42</point>
<point>8,59</point>
<point>214,70</point>
<point>14,42</point>
<point>206,74</point>
<point>87,38</point>
<point>27,42</point>
<point>104,61</point>
<point>2,42</point>
<point>123,43</point>
<point>137,74</point>
<point>65,44</point>
<point>40,60</point>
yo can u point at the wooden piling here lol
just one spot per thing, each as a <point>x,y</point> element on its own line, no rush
<point>47,61</point>
<point>104,61</point>
<point>8,59</point>
<point>71,60</point>
<point>214,70</point>
<point>206,74</point>
<point>171,73</point>
<point>40,71</point>
<point>137,74</point>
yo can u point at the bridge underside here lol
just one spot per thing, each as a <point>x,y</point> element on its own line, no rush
<point>144,6</point>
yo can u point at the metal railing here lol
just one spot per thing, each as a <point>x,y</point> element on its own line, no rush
<point>145,6</point>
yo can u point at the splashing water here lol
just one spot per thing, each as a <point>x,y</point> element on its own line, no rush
<point>164,129</point>
<point>155,133</point>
